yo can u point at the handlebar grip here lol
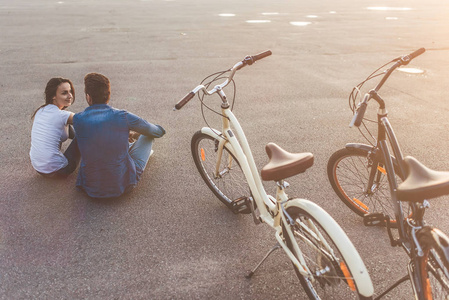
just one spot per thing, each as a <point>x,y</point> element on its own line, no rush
<point>184,100</point>
<point>417,53</point>
<point>262,55</point>
<point>359,114</point>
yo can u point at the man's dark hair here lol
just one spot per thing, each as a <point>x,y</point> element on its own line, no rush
<point>97,86</point>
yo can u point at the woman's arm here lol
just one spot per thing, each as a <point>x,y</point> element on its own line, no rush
<point>70,119</point>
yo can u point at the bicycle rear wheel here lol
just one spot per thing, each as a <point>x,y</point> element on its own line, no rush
<point>333,277</point>
<point>230,183</point>
<point>434,267</point>
<point>349,170</point>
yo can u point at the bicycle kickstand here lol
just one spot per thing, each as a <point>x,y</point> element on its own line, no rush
<point>277,246</point>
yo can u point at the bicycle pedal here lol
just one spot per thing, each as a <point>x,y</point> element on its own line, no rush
<point>241,205</point>
<point>374,219</point>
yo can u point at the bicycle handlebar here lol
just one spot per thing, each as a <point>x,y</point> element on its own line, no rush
<point>417,53</point>
<point>184,100</point>
<point>257,57</point>
<point>358,116</point>
<point>361,109</point>
<point>247,61</point>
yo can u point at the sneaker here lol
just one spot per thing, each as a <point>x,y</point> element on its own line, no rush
<point>151,153</point>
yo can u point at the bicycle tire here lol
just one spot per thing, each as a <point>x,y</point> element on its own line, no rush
<point>434,266</point>
<point>333,277</point>
<point>348,172</point>
<point>231,184</point>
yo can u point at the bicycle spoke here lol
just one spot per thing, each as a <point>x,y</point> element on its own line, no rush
<point>229,183</point>
<point>438,276</point>
<point>349,172</point>
<point>323,259</point>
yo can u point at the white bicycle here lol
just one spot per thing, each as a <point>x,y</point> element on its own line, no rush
<point>325,260</point>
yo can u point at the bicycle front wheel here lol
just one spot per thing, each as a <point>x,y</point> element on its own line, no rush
<point>228,183</point>
<point>349,173</point>
<point>434,267</point>
<point>333,277</point>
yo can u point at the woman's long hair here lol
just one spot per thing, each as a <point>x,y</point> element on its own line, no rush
<point>50,92</point>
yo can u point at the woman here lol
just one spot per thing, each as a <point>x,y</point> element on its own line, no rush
<point>51,128</point>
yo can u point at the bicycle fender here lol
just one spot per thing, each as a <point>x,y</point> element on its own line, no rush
<point>339,237</point>
<point>439,240</point>
<point>216,134</point>
<point>353,146</point>
<point>369,148</point>
<point>442,241</point>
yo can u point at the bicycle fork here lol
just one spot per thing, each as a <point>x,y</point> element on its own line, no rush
<point>283,232</point>
<point>415,266</point>
<point>299,262</point>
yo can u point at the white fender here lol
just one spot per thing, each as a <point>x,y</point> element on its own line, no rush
<point>344,244</point>
<point>211,132</point>
<point>216,135</point>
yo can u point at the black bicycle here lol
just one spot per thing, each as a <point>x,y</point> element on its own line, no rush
<point>391,190</point>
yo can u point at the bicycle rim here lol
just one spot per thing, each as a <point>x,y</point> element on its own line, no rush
<point>349,173</point>
<point>332,278</point>
<point>229,183</point>
<point>435,276</point>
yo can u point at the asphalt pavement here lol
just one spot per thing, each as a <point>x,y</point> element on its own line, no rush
<point>171,238</point>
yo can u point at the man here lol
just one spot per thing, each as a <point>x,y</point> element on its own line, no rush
<point>110,165</point>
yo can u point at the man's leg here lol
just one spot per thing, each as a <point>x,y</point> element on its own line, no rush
<point>140,152</point>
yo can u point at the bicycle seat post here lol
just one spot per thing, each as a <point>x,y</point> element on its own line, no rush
<point>281,186</point>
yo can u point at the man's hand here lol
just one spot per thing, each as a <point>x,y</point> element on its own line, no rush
<point>133,136</point>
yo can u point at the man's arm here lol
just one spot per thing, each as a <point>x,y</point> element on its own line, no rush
<point>144,127</point>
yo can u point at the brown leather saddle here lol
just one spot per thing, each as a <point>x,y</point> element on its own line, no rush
<point>421,182</point>
<point>283,164</point>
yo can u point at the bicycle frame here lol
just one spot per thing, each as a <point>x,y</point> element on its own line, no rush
<point>408,226</point>
<point>269,208</point>
<point>273,210</point>
<point>385,158</point>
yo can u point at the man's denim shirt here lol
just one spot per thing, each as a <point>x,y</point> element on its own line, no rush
<point>106,169</point>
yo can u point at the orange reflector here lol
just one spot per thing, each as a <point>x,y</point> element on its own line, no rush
<point>203,155</point>
<point>347,275</point>
<point>361,204</point>
<point>382,170</point>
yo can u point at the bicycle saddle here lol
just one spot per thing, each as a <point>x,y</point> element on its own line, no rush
<point>283,164</point>
<point>421,182</point>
